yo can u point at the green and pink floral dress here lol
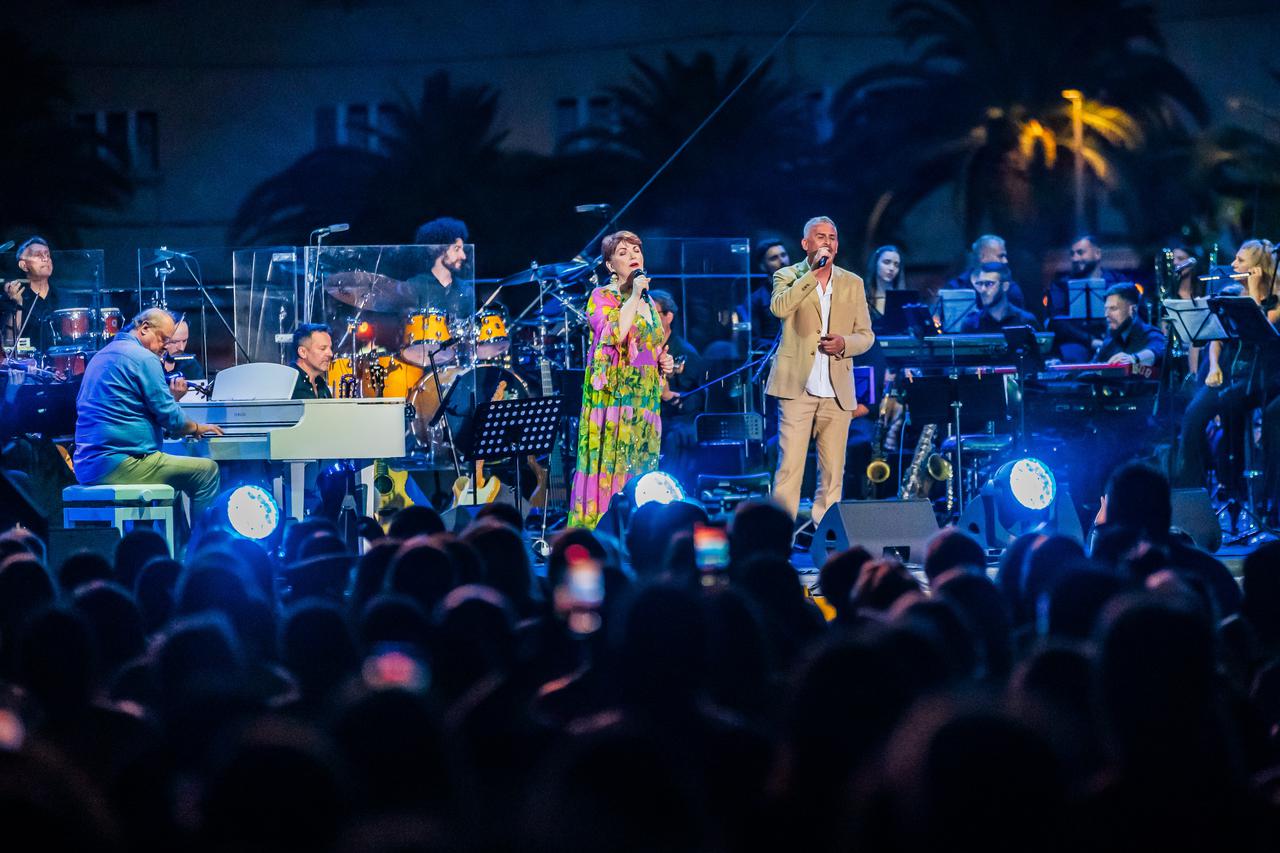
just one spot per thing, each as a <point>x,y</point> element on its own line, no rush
<point>620,430</point>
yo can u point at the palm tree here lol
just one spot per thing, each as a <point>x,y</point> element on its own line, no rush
<point>56,175</point>
<point>442,155</point>
<point>980,108</point>
<point>733,167</point>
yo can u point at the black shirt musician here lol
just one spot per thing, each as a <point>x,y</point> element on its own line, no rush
<point>438,289</point>
<point>1129,340</point>
<point>680,408</point>
<point>27,305</point>
<point>314,346</point>
<point>177,361</point>
<point>995,311</point>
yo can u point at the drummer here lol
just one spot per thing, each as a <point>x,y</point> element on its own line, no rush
<point>436,289</point>
<point>30,300</point>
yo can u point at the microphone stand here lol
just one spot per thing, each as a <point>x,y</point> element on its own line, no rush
<point>199,280</point>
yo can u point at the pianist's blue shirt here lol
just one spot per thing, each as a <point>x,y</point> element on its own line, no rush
<point>123,405</point>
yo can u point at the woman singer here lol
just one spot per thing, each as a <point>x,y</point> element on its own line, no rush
<point>620,430</point>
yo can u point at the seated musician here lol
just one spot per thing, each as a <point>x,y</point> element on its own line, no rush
<point>995,311</point>
<point>313,346</point>
<point>1129,340</point>
<point>987,249</point>
<point>28,303</point>
<point>176,360</point>
<point>435,288</point>
<point>124,404</point>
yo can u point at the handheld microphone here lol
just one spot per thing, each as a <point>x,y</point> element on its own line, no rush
<point>822,262</point>
<point>637,274</point>
<point>333,229</point>
<point>1184,266</point>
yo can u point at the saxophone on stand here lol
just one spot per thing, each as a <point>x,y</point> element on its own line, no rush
<point>928,466</point>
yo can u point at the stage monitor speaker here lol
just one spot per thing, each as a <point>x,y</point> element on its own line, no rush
<point>66,541</point>
<point>890,527</point>
<point>19,506</point>
<point>981,518</point>
<point>1193,514</point>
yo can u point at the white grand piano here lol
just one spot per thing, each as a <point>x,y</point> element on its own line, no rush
<point>251,402</point>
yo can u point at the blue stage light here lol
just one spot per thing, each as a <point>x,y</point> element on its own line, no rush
<point>657,486</point>
<point>253,512</point>
<point>1031,483</point>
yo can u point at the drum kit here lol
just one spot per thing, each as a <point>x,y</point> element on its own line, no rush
<point>440,362</point>
<point>75,334</point>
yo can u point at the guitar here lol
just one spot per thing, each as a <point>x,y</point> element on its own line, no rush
<point>469,492</point>
<point>388,485</point>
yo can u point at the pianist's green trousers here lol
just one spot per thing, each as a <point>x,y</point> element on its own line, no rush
<point>197,477</point>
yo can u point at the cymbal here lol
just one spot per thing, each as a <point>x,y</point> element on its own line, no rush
<point>567,271</point>
<point>369,291</point>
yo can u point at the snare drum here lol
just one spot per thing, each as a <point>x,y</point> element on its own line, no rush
<point>427,336</point>
<point>110,323</point>
<point>492,340</point>
<point>68,361</point>
<point>70,325</point>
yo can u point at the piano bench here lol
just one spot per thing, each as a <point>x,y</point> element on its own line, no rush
<point>120,507</point>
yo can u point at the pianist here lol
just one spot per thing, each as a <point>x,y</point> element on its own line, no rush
<point>1129,340</point>
<point>991,281</point>
<point>314,348</point>
<point>124,404</point>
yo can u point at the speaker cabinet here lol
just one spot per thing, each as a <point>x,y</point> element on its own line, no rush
<point>890,527</point>
<point>1193,514</point>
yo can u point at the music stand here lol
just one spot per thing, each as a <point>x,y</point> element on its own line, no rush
<point>515,428</point>
<point>895,321</point>
<point>1194,320</point>
<point>1244,320</point>
<point>1024,349</point>
<point>1086,298</point>
<point>980,397</point>
<point>957,304</point>
<point>920,322</point>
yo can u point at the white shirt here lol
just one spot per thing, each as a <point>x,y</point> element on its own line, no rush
<point>819,382</point>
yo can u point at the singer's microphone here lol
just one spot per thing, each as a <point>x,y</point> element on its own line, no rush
<point>333,229</point>
<point>636,275</point>
<point>822,262</point>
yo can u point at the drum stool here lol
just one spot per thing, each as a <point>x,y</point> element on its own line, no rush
<point>118,506</point>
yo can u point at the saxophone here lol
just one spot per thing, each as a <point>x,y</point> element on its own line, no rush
<point>878,470</point>
<point>916,483</point>
<point>926,467</point>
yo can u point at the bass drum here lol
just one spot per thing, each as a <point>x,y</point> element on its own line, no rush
<point>464,389</point>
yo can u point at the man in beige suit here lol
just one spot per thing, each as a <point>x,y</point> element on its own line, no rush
<point>825,322</point>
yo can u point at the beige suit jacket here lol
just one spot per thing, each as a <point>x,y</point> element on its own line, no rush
<point>795,302</point>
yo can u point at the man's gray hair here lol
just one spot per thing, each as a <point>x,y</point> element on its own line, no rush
<point>151,317</point>
<point>817,220</point>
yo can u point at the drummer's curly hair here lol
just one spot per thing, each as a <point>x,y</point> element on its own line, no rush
<point>441,232</point>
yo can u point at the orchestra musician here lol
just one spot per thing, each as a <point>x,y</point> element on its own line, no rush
<point>995,311</point>
<point>825,323</point>
<point>313,350</point>
<point>988,249</point>
<point>1129,340</point>
<point>28,303</point>
<point>124,404</point>
<point>620,429</point>
<point>680,407</point>
<point>176,360</point>
<point>1234,390</point>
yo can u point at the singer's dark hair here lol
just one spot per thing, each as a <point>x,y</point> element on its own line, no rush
<point>441,233</point>
<point>34,240</point>
<point>992,266</point>
<point>304,332</point>
<point>764,250</point>
<point>1089,238</point>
